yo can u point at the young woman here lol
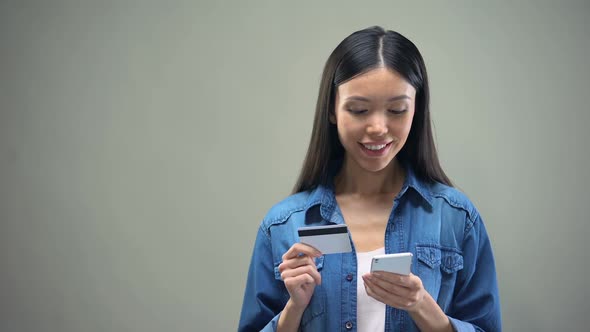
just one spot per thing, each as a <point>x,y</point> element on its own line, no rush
<point>372,165</point>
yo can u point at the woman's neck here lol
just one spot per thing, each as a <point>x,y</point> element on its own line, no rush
<point>353,180</point>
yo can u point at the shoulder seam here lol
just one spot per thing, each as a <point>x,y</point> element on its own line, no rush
<point>264,231</point>
<point>279,219</point>
<point>470,210</point>
<point>472,219</point>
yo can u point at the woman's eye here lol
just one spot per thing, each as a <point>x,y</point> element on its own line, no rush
<point>358,112</point>
<point>397,111</point>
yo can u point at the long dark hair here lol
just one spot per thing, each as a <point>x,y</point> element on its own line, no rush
<point>358,53</point>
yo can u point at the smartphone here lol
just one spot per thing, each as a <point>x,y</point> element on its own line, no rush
<point>395,263</point>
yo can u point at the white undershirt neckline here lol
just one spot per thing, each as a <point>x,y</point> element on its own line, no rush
<point>370,313</point>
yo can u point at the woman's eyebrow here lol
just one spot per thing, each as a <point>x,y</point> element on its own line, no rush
<point>361,98</point>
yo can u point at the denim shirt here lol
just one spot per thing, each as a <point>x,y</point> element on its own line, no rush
<point>436,223</point>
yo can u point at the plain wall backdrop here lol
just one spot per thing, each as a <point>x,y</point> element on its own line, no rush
<point>142,142</point>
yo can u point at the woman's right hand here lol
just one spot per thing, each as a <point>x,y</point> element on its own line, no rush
<point>300,274</point>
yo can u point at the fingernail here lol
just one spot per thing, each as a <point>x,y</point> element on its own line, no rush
<point>378,275</point>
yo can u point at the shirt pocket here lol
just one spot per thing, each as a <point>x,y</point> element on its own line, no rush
<point>437,267</point>
<point>317,304</point>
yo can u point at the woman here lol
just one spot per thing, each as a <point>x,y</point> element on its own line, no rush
<point>372,165</point>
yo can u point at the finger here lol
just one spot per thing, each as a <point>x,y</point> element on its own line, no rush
<point>380,295</point>
<point>296,262</point>
<point>300,248</point>
<point>371,292</point>
<point>389,287</point>
<point>394,278</point>
<point>410,282</point>
<point>414,282</point>
<point>297,281</point>
<point>377,289</point>
<point>307,269</point>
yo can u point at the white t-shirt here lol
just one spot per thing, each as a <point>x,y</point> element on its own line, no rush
<point>370,313</point>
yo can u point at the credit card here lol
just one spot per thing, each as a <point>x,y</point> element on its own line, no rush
<point>331,239</point>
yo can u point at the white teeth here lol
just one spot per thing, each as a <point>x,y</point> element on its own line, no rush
<point>374,147</point>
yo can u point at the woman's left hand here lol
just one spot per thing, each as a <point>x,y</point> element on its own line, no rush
<point>396,290</point>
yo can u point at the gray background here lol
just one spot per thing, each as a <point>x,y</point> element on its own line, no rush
<point>141,144</point>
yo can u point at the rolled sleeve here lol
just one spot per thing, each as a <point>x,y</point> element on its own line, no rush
<point>461,326</point>
<point>272,325</point>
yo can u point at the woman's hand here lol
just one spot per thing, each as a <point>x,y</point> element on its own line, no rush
<point>300,274</point>
<point>407,293</point>
<point>396,290</point>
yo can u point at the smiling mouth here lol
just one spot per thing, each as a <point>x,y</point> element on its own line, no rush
<point>375,147</point>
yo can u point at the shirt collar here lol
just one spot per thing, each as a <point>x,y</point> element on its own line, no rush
<point>419,185</point>
<point>324,197</point>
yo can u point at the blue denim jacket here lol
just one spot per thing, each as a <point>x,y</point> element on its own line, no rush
<point>438,224</point>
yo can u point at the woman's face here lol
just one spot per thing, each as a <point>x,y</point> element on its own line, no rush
<point>373,114</point>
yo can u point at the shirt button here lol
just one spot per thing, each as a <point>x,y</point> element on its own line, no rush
<point>348,325</point>
<point>349,277</point>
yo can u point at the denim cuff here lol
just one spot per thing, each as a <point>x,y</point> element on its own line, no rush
<point>461,326</point>
<point>272,325</point>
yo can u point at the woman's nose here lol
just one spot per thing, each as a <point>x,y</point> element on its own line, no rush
<point>377,125</point>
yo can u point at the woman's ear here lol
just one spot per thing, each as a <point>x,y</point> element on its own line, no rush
<point>332,118</point>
